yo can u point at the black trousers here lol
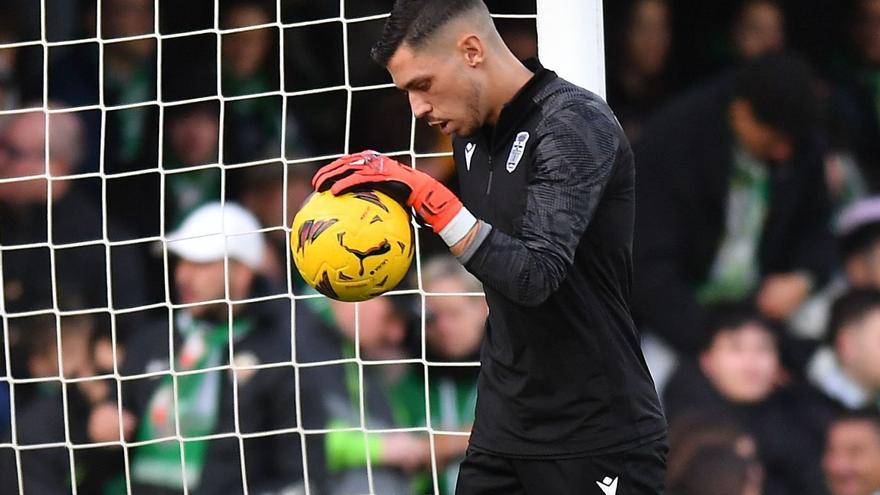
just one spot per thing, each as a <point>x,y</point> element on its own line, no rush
<point>639,471</point>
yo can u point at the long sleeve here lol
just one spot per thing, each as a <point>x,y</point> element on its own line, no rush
<point>575,156</point>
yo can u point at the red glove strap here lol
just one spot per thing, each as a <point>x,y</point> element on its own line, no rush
<point>435,204</point>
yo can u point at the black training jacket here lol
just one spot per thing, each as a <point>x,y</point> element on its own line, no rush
<point>562,371</point>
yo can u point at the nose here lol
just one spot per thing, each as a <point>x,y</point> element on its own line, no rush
<point>420,107</point>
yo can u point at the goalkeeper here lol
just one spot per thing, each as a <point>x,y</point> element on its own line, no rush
<point>565,401</point>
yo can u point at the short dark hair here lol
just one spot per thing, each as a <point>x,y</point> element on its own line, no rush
<point>859,240</point>
<point>716,469</point>
<point>414,22</point>
<point>849,308</point>
<point>779,87</point>
<point>725,317</point>
<point>866,415</point>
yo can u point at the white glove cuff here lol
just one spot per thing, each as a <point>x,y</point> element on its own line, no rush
<point>458,228</point>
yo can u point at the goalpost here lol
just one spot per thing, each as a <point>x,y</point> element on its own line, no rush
<point>570,41</point>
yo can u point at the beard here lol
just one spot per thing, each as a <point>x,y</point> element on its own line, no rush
<point>474,122</point>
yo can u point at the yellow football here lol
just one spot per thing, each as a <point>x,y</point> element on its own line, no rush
<point>354,246</point>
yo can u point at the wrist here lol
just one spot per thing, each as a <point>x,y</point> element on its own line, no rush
<point>458,227</point>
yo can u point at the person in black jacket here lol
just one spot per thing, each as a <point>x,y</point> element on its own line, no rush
<point>736,377</point>
<point>80,271</point>
<point>852,454</point>
<point>43,423</point>
<point>846,370</point>
<point>249,413</point>
<point>565,400</point>
<point>732,202</point>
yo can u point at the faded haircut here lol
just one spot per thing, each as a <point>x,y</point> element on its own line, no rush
<point>414,22</point>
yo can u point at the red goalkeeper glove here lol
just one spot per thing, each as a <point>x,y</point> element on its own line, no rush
<point>433,201</point>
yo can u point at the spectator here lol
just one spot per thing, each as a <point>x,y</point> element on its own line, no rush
<point>852,454</point>
<point>80,272</point>
<point>847,370</point>
<point>129,78</point>
<point>637,76</point>
<point>692,433</point>
<point>759,29</point>
<point>737,377</point>
<point>720,471</point>
<point>127,139</point>
<point>193,137</point>
<point>218,252</point>
<point>732,203</point>
<point>263,192</point>
<point>332,395</point>
<point>858,239</point>
<point>253,125</point>
<point>453,333</point>
<point>52,413</point>
<point>246,53</point>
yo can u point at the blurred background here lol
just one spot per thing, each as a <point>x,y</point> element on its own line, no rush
<point>756,130</point>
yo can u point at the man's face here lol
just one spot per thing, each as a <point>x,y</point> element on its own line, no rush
<point>455,327</point>
<point>199,282</point>
<point>380,329</point>
<point>760,30</point>
<point>194,137</point>
<point>852,458</point>
<point>742,363</point>
<point>762,141</point>
<point>76,354</point>
<point>649,37</point>
<point>861,350</point>
<point>244,52</point>
<point>124,18</point>
<point>22,154</point>
<point>442,88</point>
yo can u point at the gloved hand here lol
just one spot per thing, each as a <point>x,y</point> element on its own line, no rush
<point>433,201</point>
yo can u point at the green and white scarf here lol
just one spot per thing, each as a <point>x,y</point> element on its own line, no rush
<point>735,271</point>
<point>205,345</point>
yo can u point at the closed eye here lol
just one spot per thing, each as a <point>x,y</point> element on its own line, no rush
<point>420,85</point>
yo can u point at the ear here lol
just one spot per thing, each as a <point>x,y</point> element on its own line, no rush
<point>473,50</point>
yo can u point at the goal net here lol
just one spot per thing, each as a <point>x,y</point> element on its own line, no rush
<point>121,119</point>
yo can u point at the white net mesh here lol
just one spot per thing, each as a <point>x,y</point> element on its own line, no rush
<point>319,98</point>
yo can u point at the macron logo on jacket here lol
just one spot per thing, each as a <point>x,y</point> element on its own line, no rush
<point>608,486</point>
<point>468,154</point>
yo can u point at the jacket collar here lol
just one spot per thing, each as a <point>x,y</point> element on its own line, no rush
<point>521,105</point>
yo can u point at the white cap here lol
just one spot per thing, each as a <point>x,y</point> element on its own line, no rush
<point>213,230</point>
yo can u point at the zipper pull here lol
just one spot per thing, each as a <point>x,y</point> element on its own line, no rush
<point>489,184</point>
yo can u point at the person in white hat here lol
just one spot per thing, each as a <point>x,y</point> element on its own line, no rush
<point>207,238</point>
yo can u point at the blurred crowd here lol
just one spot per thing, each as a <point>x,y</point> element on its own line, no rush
<point>142,230</point>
